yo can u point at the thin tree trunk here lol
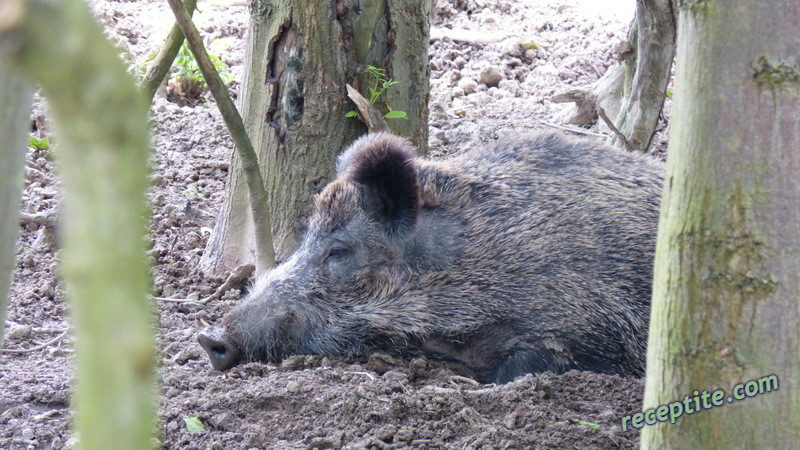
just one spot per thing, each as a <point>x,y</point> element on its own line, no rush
<point>259,210</point>
<point>301,54</point>
<point>645,88</point>
<point>100,118</point>
<point>15,108</point>
<point>726,301</point>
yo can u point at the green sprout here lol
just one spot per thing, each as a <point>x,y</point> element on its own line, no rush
<point>38,144</point>
<point>193,191</point>
<point>588,424</point>
<point>189,76</point>
<point>379,85</point>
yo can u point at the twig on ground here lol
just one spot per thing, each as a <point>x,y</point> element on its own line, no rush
<point>36,348</point>
<point>450,391</point>
<point>458,379</point>
<point>46,218</point>
<point>236,278</point>
<point>369,375</point>
<point>472,37</point>
<point>602,113</point>
<point>575,130</point>
<point>10,323</point>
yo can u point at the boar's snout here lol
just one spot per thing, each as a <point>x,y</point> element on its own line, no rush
<point>223,354</point>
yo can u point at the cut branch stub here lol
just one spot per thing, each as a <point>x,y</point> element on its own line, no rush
<point>366,112</point>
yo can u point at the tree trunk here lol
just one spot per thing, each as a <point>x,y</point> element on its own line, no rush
<point>16,95</point>
<point>300,56</point>
<point>645,89</point>
<point>100,118</point>
<point>726,301</point>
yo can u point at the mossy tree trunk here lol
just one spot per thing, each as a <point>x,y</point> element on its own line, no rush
<point>301,54</point>
<point>726,301</point>
<point>100,119</point>
<point>16,95</point>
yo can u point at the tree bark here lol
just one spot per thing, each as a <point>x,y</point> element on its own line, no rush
<point>301,54</point>
<point>16,95</point>
<point>101,120</point>
<point>645,90</point>
<point>726,300</point>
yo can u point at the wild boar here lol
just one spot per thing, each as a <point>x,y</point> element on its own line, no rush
<point>533,255</point>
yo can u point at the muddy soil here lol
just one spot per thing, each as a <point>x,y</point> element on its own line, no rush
<point>479,92</point>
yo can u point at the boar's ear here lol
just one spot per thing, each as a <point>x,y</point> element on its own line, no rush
<point>385,165</point>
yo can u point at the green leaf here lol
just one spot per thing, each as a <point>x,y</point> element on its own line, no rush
<point>193,190</point>
<point>669,93</point>
<point>39,144</point>
<point>193,425</point>
<point>394,114</point>
<point>529,44</point>
<point>351,114</point>
<point>588,424</point>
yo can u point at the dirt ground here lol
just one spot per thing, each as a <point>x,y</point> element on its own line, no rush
<point>479,92</point>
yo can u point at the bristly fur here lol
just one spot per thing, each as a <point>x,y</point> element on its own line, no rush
<point>386,166</point>
<point>335,206</point>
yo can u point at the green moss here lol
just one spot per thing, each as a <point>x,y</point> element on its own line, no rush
<point>700,7</point>
<point>737,253</point>
<point>774,74</point>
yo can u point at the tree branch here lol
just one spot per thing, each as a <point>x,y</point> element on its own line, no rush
<point>159,67</point>
<point>366,112</point>
<point>265,254</point>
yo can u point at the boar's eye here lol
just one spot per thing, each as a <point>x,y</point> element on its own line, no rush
<point>337,253</point>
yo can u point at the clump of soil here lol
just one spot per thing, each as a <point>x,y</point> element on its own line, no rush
<point>479,92</point>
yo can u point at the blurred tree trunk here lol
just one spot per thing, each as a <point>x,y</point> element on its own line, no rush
<point>300,56</point>
<point>631,94</point>
<point>15,108</point>
<point>100,118</point>
<point>726,301</point>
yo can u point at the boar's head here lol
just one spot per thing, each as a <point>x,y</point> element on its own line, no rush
<point>340,292</point>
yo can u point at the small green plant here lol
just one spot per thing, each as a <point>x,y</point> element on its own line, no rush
<point>38,144</point>
<point>379,85</point>
<point>193,191</point>
<point>588,424</point>
<point>194,425</point>
<point>188,79</point>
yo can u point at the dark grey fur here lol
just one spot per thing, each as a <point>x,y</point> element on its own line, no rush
<point>533,255</point>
